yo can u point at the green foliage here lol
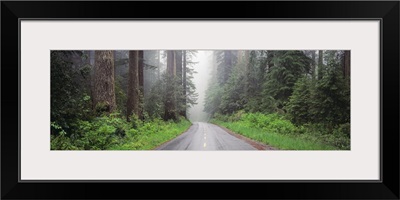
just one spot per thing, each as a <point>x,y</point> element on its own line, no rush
<point>280,141</point>
<point>69,94</point>
<point>331,99</point>
<point>154,100</point>
<point>76,125</point>
<point>275,130</point>
<point>61,142</point>
<point>212,99</point>
<point>288,67</point>
<point>298,107</point>
<point>98,134</point>
<point>226,61</point>
<point>270,122</point>
<point>115,133</point>
<point>152,134</point>
<point>166,97</point>
<point>325,101</point>
<point>120,96</point>
<point>233,96</point>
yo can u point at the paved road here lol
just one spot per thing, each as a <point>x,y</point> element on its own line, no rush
<point>205,136</point>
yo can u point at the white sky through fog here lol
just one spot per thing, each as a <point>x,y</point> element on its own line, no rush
<point>200,79</point>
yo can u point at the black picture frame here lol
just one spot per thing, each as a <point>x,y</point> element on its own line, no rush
<point>386,11</point>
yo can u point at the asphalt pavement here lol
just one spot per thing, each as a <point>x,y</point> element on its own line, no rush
<point>205,136</point>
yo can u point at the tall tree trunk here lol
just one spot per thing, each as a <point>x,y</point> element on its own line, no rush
<point>132,106</point>
<point>104,88</point>
<point>346,71</point>
<point>320,64</point>
<point>170,100</point>
<point>171,70</point>
<point>140,73</point>
<point>228,65</point>
<point>179,75</point>
<point>141,83</point>
<point>239,56</point>
<point>270,60</point>
<point>178,61</point>
<point>184,83</point>
<point>90,81</point>
<point>313,64</point>
<point>158,64</point>
<point>246,56</point>
<point>115,66</point>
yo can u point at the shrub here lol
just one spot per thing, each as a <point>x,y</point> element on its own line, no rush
<point>335,136</point>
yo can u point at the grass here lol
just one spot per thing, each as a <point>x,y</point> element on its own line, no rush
<point>151,137</point>
<point>278,140</point>
<point>115,133</point>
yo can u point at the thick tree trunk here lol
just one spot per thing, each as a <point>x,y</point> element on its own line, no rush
<point>178,61</point>
<point>170,100</point>
<point>184,83</point>
<point>346,70</point>
<point>104,88</point>
<point>115,66</point>
<point>90,55</point>
<point>158,65</point>
<point>132,106</point>
<point>179,75</point>
<point>228,65</point>
<point>320,64</point>
<point>239,56</point>
<point>171,70</point>
<point>141,83</point>
<point>313,64</point>
<point>140,73</point>
<point>270,60</point>
<point>246,56</point>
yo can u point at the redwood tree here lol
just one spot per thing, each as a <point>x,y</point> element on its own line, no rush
<point>104,87</point>
<point>133,85</point>
<point>170,99</point>
<point>141,82</point>
<point>346,65</point>
<point>184,81</point>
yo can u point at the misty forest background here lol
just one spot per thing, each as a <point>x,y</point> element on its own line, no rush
<point>137,100</point>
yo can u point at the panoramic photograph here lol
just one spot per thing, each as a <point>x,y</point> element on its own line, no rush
<point>200,100</point>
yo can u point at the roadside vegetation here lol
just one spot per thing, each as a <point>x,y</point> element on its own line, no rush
<point>289,99</point>
<point>274,130</point>
<point>119,100</point>
<point>112,132</point>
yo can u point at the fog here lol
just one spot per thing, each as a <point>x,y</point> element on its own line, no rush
<point>201,79</point>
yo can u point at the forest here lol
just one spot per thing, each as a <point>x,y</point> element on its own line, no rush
<point>119,99</point>
<point>141,99</point>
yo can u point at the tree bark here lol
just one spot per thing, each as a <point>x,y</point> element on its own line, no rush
<point>184,83</point>
<point>158,64</point>
<point>320,64</point>
<point>140,73</point>
<point>346,70</point>
<point>171,70</point>
<point>115,66</point>
<point>141,83</point>
<point>179,75</point>
<point>104,88</point>
<point>239,56</point>
<point>170,100</point>
<point>228,65</point>
<point>313,64</point>
<point>246,56</point>
<point>132,106</point>
<point>178,61</point>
